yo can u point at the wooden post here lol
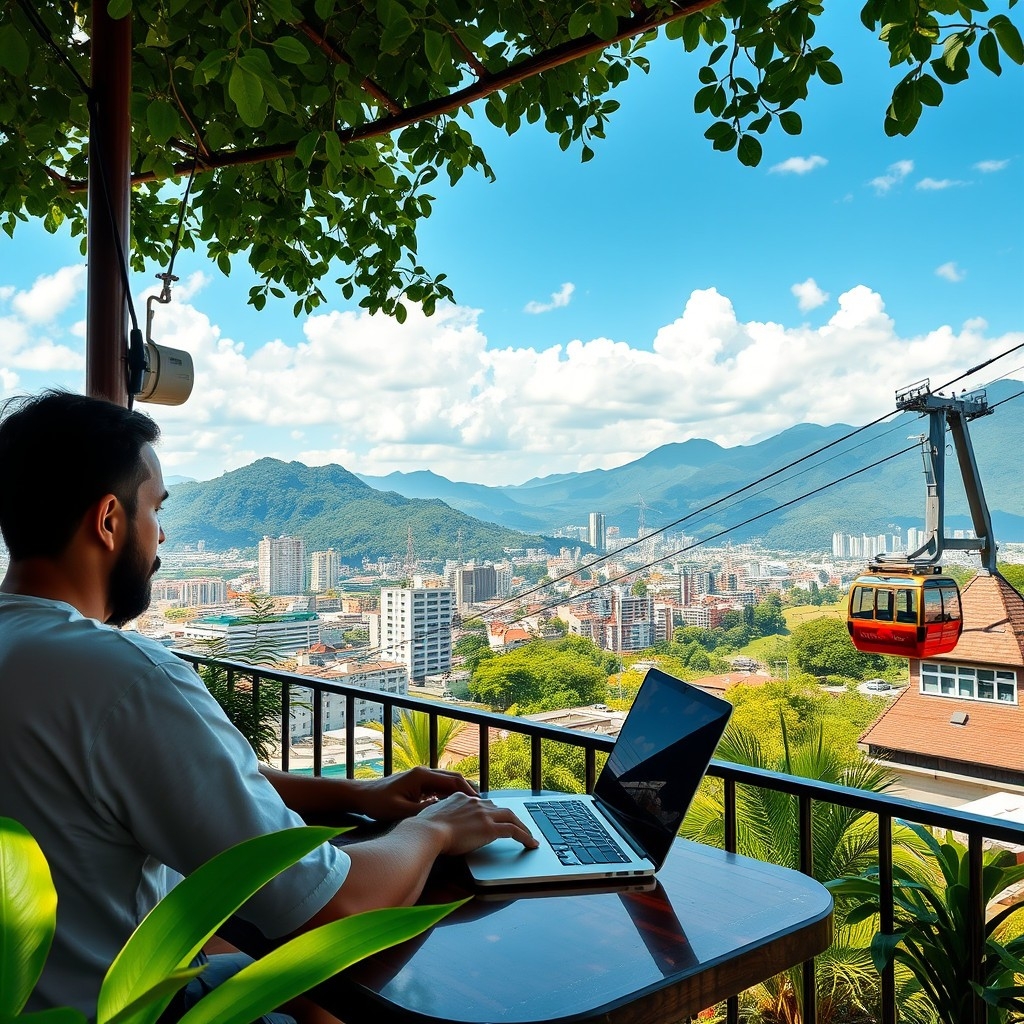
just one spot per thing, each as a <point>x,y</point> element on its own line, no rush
<point>106,341</point>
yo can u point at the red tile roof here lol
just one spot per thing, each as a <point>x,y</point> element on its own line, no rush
<point>719,684</point>
<point>993,624</point>
<point>919,723</point>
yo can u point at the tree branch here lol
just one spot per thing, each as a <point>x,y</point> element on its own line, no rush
<point>471,59</point>
<point>402,118</point>
<point>327,47</point>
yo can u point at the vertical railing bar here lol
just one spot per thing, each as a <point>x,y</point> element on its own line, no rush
<point>886,915</point>
<point>485,757</point>
<point>388,715</point>
<point>732,1004</point>
<point>590,779</point>
<point>535,762</point>
<point>730,815</point>
<point>350,736</point>
<point>255,700</point>
<point>318,730</point>
<point>976,920</point>
<point>286,724</point>
<point>231,680</point>
<point>432,726</point>
<point>810,1007</point>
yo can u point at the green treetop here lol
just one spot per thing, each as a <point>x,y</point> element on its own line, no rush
<point>317,126</point>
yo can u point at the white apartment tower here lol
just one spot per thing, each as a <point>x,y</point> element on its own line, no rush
<point>282,564</point>
<point>414,628</point>
<point>598,536</point>
<point>323,570</point>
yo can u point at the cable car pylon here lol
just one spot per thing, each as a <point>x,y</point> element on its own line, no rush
<point>903,605</point>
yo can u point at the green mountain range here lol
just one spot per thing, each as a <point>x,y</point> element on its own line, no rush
<point>703,488</point>
<point>327,507</point>
<point>697,488</point>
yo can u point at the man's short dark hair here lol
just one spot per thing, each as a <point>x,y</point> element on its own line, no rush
<point>60,453</point>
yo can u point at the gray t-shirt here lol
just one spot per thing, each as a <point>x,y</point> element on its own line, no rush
<point>121,765</point>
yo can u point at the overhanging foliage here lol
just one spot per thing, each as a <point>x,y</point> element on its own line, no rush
<point>316,126</point>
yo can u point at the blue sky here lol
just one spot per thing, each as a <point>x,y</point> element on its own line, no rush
<point>660,292</point>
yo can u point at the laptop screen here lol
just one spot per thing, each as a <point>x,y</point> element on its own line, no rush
<point>659,758</point>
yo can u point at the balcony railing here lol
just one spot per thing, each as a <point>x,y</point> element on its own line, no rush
<point>887,809</point>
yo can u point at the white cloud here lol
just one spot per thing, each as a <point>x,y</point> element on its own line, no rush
<point>950,272</point>
<point>558,300</point>
<point>896,173</point>
<point>375,396</point>
<point>6,291</point>
<point>50,295</point>
<point>991,166</point>
<point>799,165</point>
<point>809,295</point>
<point>938,184</point>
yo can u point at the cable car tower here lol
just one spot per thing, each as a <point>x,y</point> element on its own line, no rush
<point>903,605</point>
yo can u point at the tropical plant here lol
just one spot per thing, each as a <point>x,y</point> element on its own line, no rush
<point>410,738</point>
<point>254,710</point>
<point>932,927</point>
<point>844,840</point>
<point>563,765</point>
<point>154,962</point>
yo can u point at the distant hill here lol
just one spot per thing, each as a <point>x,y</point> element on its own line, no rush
<point>327,506</point>
<point>680,481</point>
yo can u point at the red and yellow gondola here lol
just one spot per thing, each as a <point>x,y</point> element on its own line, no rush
<point>908,611</point>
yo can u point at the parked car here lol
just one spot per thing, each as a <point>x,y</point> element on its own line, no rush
<point>877,684</point>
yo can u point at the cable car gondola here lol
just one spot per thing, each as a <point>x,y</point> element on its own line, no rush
<point>904,605</point>
<point>897,610</point>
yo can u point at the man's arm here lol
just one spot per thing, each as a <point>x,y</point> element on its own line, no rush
<point>386,799</point>
<point>391,870</point>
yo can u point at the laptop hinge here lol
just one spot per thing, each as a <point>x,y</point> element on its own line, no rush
<point>610,816</point>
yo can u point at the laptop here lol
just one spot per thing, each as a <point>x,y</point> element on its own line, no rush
<point>625,828</point>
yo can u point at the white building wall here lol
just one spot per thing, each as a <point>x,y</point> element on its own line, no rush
<point>389,677</point>
<point>282,565</point>
<point>415,628</point>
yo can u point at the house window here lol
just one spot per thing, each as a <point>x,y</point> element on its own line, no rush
<point>968,683</point>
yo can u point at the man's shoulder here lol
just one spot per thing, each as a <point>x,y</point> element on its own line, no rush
<point>56,630</point>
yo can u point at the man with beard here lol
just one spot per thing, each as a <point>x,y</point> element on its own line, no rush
<point>112,752</point>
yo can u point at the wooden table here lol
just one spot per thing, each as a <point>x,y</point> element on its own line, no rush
<point>712,925</point>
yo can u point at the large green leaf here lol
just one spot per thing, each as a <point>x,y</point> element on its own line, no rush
<point>176,928</point>
<point>28,915</point>
<point>309,959</point>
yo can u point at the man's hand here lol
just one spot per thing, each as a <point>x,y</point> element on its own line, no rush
<point>468,822</point>
<point>406,793</point>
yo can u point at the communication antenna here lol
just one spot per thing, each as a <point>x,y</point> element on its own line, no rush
<point>410,553</point>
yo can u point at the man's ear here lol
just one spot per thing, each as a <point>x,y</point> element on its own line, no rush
<point>107,520</point>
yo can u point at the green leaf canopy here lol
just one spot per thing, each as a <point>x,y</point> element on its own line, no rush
<point>316,126</point>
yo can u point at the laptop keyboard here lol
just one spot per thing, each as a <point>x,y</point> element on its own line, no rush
<point>574,832</point>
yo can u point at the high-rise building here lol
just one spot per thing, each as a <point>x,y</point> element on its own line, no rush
<point>474,583</point>
<point>323,570</point>
<point>414,628</point>
<point>838,545</point>
<point>598,536</point>
<point>282,563</point>
<point>630,626</point>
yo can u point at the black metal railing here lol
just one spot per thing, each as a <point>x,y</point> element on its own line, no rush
<point>886,809</point>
